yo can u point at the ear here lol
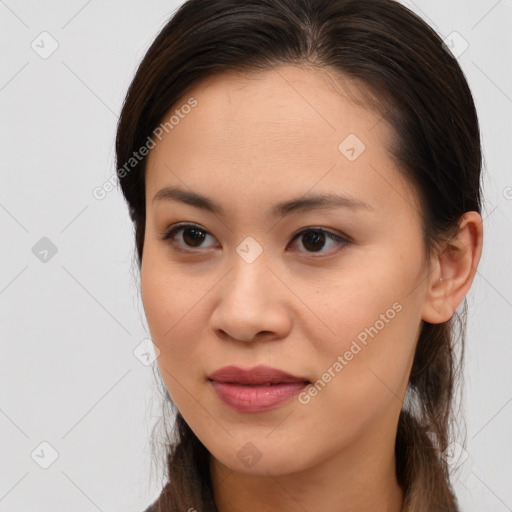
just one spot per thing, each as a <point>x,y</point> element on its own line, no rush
<point>453,269</point>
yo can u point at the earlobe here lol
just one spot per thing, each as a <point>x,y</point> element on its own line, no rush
<point>454,268</point>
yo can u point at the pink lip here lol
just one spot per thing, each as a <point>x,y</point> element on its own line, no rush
<point>249,390</point>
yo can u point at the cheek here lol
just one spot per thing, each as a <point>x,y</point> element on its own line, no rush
<point>369,381</point>
<point>363,306</point>
<point>171,305</point>
<point>376,328</point>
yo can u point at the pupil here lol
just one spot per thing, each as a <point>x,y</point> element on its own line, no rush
<point>313,238</point>
<point>193,237</point>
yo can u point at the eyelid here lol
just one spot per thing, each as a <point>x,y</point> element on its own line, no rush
<point>335,234</point>
<point>171,230</point>
<point>341,240</point>
<point>170,233</point>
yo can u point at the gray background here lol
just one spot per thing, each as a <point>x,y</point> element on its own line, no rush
<point>71,319</point>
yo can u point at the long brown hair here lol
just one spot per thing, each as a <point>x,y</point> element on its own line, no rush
<point>419,88</point>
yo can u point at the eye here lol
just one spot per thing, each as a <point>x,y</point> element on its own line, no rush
<point>189,235</point>
<point>316,239</point>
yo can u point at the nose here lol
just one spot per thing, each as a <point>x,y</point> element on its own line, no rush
<point>251,304</point>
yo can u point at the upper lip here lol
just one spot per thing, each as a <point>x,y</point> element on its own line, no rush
<point>257,375</point>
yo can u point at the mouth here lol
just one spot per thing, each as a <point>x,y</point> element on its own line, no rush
<point>257,390</point>
<point>261,384</point>
<point>257,376</point>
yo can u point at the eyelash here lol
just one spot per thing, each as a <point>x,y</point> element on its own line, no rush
<point>171,233</point>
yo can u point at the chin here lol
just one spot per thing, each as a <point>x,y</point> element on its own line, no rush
<point>261,457</point>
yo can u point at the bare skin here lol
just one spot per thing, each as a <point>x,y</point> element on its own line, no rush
<point>250,143</point>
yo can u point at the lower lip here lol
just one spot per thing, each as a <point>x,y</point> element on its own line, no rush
<point>256,398</point>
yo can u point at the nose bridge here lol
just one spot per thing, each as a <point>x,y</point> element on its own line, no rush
<point>248,278</point>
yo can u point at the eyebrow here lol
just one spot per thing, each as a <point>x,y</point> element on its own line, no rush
<point>300,204</point>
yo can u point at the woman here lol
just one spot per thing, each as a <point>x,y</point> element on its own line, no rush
<point>304,182</point>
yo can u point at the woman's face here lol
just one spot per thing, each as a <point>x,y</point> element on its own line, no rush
<point>274,152</point>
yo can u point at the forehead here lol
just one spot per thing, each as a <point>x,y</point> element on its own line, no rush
<point>285,127</point>
<point>280,105</point>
